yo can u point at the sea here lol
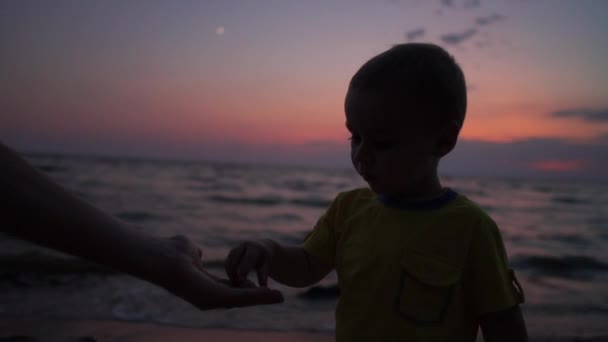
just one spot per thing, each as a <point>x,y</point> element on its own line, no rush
<point>555,232</point>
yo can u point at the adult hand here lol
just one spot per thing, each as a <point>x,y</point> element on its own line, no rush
<point>188,279</point>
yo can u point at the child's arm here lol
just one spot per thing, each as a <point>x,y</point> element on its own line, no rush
<point>289,265</point>
<point>35,208</point>
<point>507,325</point>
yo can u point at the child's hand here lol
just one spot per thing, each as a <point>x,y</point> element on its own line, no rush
<point>248,256</point>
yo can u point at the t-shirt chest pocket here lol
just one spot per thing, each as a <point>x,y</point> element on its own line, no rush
<point>426,288</point>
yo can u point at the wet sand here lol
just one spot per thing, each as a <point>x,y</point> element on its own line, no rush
<point>17,329</point>
<point>30,329</point>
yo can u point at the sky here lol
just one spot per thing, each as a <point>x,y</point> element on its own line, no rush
<point>264,81</point>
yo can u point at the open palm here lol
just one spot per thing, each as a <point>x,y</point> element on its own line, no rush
<point>189,280</point>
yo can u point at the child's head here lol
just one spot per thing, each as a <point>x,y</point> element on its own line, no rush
<point>404,109</point>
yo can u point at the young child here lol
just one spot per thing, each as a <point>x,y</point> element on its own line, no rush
<point>415,261</point>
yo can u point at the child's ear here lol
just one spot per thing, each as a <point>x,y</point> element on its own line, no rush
<point>447,139</point>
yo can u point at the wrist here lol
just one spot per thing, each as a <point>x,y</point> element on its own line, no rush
<point>147,257</point>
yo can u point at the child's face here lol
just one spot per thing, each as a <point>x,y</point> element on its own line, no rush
<point>391,144</point>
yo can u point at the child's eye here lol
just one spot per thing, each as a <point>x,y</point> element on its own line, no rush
<point>383,145</point>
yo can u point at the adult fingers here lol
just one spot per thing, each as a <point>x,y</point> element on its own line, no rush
<point>206,292</point>
<point>253,296</point>
<point>187,247</point>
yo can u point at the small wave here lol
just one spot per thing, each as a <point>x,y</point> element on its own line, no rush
<point>262,201</point>
<point>202,179</point>
<point>294,238</point>
<point>50,168</point>
<point>270,201</point>
<point>215,186</point>
<point>321,293</point>
<point>566,238</point>
<point>92,183</point>
<point>285,217</point>
<point>543,189</point>
<point>567,266</point>
<point>297,185</point>
<point>598,220</point>
<point>140,216</point>
<point>316,203</point>
<point>569,200</point>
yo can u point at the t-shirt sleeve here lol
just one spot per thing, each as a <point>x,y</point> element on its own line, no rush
<point>321,243</point>
<point>490,284</point>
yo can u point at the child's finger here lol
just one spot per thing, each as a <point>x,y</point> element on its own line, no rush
<point>263,271</point>
<point>232,262</point>
<point>229,263</point>
<point>247,262</point>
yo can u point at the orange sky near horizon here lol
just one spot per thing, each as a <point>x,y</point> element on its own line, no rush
<point>190,75</point>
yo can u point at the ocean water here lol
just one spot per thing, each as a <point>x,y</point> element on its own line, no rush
<point>556,234</point>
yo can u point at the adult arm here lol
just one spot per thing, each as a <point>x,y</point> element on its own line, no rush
<point>35,208</point>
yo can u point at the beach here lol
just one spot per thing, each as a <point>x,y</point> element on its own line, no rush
<point>48,329</point>
<point>22,329</point>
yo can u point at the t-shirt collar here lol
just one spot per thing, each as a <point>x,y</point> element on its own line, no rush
<point>446,197</point>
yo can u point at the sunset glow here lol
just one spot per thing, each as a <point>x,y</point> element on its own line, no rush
<point>559,165</point>
<point>183,79</point>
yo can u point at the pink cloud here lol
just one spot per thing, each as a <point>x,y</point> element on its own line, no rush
<point>558,165</point>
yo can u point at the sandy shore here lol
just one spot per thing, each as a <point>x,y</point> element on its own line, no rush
<point>18,329</point>
<point>21,329</point>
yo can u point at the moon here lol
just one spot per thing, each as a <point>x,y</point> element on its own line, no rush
<point>219,30</point>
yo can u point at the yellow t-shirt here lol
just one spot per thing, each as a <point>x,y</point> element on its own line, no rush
<point>412,274</point>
